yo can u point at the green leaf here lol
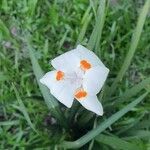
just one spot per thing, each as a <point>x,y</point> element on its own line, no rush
<point>53,13</point>
<point>49,99</point>
<point>4,5</point>
<point>4,30</point>
<point>85,21</point>
<point>9,123</point>
<point>22,108</point>
<point>100,128</point>
<point>116,143</point>
<point>32,6</point>
<point>95,38</point>
<point>134,43</point>
<point>3,77</point>
<point>133,91</point>
<point>142,134</point>
<point>61,42</point>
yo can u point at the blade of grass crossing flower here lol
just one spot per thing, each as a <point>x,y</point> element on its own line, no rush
<point>134,43</point>
<point>23,109</point>
<point>97,31</point>
<point>95,132</point>
<point>49,99</point>
<point>116,143</point>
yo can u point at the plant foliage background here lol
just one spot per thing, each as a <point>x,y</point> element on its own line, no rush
<point>32,32</point>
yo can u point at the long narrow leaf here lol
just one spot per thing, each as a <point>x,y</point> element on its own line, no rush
<point>84,28</point>
<point>134,43</point>
<point>97,31</point>
<point>133,91</point>
<point>32,6</point>
<point>129,93</point>
<point>92,134</point>
<point>23,109</point>
<point>116,143</point>
<point>140,134</point>
<point>49,99</point>
<point>4,30</point>
<point>9,123</point>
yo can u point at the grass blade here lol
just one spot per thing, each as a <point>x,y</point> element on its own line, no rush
<point>32,6</point>
<point>4,30</point>
<point>116,143</point>
<point>97,31</point>
<point>129,93</point>
<point>134,43</point>
<point>133,91</point>
<point>9,123</point>
<point>23,109</point>
<point>140,134</point>
<point>86,20</point>
<point>49,99</point>
<point>92,134</point>
<point>61,42</point>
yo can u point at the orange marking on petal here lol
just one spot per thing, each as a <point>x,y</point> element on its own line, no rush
<point>80,94</point>
<point>59,75</point>
<point>85,65</point>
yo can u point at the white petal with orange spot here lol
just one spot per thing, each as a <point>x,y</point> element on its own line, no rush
<point>94,79</point>
<point>92,103</point>
<point>88,55</point>
<point>60,89</point>
<point>66,62</point>
<point>49,79</point>
<point>64,92</point>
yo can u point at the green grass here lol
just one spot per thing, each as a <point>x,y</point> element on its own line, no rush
<point>32,32</point>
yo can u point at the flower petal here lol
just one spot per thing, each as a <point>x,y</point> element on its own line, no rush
<point>71,59</point>
<point>62,90</point>
<point>94,79</point>
<point>66,62</point>
<point>88,55</point>
<point>92,103</point>
<point>49,79</point>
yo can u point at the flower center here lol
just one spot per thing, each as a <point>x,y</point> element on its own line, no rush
<point>59,75</point>
<point>80,93</point>
<point>85,65</point>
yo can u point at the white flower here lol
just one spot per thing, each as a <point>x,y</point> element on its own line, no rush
<point>79,74</point>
